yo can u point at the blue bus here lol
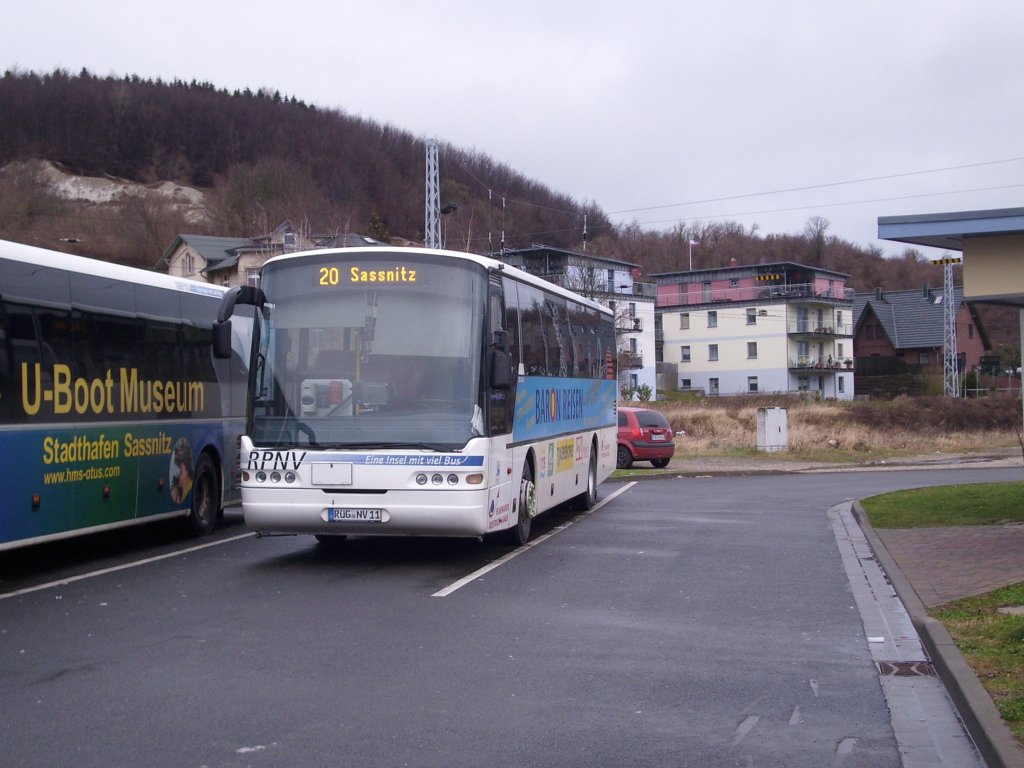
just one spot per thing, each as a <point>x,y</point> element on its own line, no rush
<point>404,391</point>
<point>113,410</point>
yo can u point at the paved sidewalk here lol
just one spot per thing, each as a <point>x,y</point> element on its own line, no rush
<point>944,564</point>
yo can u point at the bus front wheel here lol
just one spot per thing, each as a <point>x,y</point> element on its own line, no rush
<point>205,497</point>
<point>520,533</point>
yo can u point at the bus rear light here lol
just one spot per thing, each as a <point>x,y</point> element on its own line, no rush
<point>245,476</point>
<point>421,479</point>
<point>290,477</point>
<point>106,493</point>
<point>37,500</point>
<point>160,483</point>
<point>475,479</point>
<point>336,393</point>
<point>275,477</point>
<point>436,479</point>
<point>261,476</point>
<point>453,479</point>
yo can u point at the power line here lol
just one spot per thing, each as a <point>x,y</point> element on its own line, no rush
<point>819,186</point>
<point>828,205</point>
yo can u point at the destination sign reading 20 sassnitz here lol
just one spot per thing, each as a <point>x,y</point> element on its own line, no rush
<point>332,276</point>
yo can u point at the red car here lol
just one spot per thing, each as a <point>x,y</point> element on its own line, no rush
<point>644,435</point>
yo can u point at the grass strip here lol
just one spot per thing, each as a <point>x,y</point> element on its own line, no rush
<point>993,644</point>
<point>972,504</point>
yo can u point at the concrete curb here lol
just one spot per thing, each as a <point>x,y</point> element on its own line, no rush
<point>991,735</point>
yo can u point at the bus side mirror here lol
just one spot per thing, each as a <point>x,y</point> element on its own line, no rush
<point>222,340</point>
<point>240,294</point>
<point>501,369</point>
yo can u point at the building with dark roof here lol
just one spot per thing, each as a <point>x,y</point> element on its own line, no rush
<point>904,331</point>
<point>236,260</point>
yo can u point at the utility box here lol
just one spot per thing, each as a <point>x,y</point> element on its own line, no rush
<point>772,430</point>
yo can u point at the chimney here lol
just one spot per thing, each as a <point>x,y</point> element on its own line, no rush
<point>878,295</point>
<point>926,292</point>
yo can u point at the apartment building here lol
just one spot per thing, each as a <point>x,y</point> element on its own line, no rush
<point>768,328</point>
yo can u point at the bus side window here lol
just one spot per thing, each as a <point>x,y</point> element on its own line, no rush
<point>512,325</point>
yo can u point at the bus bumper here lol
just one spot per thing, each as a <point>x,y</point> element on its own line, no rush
<point>393,513</point>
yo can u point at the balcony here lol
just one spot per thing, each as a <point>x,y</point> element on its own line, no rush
<point>629,324</point>
<point>815,328</point>
<point>629,359</point>
<point>820,363</point>
<point>692,294</point>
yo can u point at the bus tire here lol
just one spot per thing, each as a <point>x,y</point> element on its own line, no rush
<point>586,500</point>
<point>205,497</point>
<point>519,534</point>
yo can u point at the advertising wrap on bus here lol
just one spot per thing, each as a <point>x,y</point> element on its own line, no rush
<point>547,407</point>
<point>113,409</point>
<point>84,477</point>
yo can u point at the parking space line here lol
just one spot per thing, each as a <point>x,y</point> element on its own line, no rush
<point>456,585</point>
<point>123,567</point>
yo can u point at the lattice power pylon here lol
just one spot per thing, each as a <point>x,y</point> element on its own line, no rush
<point>950,374</point>
<point>432,218</point>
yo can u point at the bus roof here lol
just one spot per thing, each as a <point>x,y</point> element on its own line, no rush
<point>29,254</point>
<point>485,261</point>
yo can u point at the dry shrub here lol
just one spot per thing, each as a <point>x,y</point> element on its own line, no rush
<point>828,428</point>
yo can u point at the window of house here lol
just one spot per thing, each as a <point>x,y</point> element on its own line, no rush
<point>922,358</point>
<point>970,330</point>
<point>684,321</point>
<point>684,353</point>
<point>751,383</point>
<point>712,319</point>
<point>734,282</point>
<point>841,383</point>
<point>751,316</point>
<point>840,350</point>
<point>869,332</point>
<point>190,266</point>
<point>751,349</point>
<point>712,386</point>
<point>684,383</point>
<point>803,383</point>
<point>712,352</point>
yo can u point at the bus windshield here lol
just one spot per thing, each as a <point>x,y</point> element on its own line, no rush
<point>369,351</point>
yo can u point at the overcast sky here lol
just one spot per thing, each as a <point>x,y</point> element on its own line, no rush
<point>660,112</point>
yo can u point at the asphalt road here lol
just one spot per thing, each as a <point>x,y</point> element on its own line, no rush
<point>685,622</point>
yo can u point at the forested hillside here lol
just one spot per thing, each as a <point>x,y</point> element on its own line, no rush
<point>262,157</point>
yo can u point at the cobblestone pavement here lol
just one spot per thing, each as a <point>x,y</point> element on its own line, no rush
<point>949,563</point>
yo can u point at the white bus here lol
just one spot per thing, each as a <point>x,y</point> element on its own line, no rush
<point>403,391</point>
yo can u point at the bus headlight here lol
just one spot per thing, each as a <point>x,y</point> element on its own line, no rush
<point>261,476</point>
<point>453,479</point>
<point>275,477</point>
<point>437,479</point>
<point>290,477</point>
